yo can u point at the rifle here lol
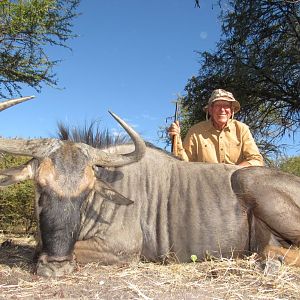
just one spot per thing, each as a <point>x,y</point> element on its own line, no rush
<point>174,149</point>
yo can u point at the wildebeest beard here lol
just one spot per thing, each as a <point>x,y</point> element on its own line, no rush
<point>59,223</point>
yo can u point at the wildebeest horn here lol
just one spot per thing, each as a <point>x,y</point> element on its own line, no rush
<point>117,160</point>
<point>8,103</point>
<point>37,148</point>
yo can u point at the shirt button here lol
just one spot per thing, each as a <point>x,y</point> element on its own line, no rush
<point>221,149</point>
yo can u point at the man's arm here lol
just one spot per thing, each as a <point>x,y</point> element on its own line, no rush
<point>251,154</point>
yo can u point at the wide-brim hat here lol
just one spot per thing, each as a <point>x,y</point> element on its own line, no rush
<point>223,95</point>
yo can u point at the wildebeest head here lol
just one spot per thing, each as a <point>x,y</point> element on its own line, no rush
<point>64,176</point>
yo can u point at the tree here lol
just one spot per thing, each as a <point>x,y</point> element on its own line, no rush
<point>258,59</point>
<point>27,29</point>
<point>290,165</point>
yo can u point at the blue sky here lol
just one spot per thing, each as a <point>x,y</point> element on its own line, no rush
<point>132,57</point>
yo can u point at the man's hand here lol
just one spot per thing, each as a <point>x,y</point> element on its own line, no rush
<point>244,164</point>
<point>174,129</point>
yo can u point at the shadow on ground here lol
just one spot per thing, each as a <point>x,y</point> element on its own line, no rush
<point>16,255</point>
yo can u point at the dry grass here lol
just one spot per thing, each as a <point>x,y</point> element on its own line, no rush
<point>222,279</point>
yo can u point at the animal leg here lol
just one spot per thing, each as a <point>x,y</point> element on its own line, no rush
<point>282,215</point>
<point>273,197</point>
<point>289,256</point>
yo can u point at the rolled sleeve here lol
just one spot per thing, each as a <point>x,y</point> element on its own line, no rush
<point>250,150</point>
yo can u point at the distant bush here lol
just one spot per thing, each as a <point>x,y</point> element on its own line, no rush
<point>17,201</point>
<point>291,165</point>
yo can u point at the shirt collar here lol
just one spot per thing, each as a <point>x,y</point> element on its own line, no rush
<point>210,127</point>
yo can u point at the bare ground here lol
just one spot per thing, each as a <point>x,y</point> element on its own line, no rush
<point>222,279</point>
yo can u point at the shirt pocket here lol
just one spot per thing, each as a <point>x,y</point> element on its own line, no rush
<point>235,148</point>
<point>207,152</point>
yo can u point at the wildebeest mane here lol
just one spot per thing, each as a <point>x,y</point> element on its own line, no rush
<point>91,134</point>
<point>96,137</point>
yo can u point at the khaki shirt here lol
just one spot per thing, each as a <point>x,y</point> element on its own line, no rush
<point>232,145</point>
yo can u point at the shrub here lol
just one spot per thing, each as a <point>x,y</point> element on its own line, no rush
<point>16,201</point>
<point>291,165</point>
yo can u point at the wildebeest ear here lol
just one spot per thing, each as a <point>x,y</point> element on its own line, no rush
<point>110,175</point>
<point>15,175</point>
<point>109,193</point>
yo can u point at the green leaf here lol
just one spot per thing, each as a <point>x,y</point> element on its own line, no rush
<point>194,258</point>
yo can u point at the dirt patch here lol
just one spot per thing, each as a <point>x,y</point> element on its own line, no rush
<point>222,279</point>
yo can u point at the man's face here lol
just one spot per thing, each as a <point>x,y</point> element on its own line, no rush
<point>220,112</point>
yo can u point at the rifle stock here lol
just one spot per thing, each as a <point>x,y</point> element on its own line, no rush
<point>174,145</point>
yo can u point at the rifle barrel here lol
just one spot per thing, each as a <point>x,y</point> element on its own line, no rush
<point>174,139</point>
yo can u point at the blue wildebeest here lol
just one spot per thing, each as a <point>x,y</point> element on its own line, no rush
<point>133,201</point>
